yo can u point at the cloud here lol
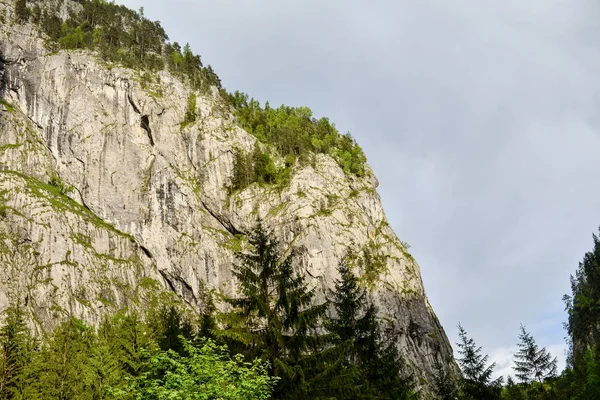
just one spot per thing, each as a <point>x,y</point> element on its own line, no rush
<point>480,119</point>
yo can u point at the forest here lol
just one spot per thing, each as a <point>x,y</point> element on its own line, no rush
<point>273,340</point>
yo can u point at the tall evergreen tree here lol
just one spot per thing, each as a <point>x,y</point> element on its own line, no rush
<point>583,306</point>
<point>531,362</point>
<point>62,367</point>
<point>273,316</point>
<point>357,333</point>
<point>16,351</point>
<point>169,327</point>
<point>477,375</point>
<point>445,385</point>
<point>513,391</point>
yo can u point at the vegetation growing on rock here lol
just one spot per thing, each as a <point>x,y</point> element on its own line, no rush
<point>127,37</point>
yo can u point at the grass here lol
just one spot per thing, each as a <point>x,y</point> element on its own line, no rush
<point>8,106</point>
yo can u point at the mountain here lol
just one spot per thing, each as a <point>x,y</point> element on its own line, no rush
<point>118,181</point>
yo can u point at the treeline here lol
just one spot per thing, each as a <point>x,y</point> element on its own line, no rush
<point>296,135</point>
<point>535,369</point>
<point>119,35</point>
<point>127,37</point>
<point>273,342</point>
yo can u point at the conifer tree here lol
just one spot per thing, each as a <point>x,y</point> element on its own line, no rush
<point>531,362</point>
<point>273,316</point>
<point>130,339</point>
<point>445,385</point>
<point>63,364</point>
<point>583,306</point>
<point>357,333</point>
<point>512,391</point>
<point>477,382</point>
<point>169,326</point>
<point>16,351</point>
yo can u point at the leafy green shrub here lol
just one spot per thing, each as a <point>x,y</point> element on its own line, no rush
<point>206,371</point>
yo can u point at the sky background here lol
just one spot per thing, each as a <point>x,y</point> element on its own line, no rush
<point>481,120</point>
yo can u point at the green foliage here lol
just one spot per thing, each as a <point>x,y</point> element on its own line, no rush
<point>370,368</point>
<point>22,13</point>
<point>445,385</point>
<point>583,306</point>
<point>170,327</point>
<point>8,106</point>
<point>257,167</point>
<point>122,36</point>
<point>476,374</point>
<point>16,351</point>
<point>296,134</point>
<point>531,362</point>
<point>62,366</point>
<point>190,112</point>
<point>273,317</point>
<point>203,372</point>
<point>57,182</point>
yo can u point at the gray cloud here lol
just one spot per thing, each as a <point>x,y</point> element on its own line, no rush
<point>480,119</point>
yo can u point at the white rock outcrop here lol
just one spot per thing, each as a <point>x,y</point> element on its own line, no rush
<point>136,200</point>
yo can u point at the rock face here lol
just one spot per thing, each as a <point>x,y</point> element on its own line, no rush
<point>106,196</point>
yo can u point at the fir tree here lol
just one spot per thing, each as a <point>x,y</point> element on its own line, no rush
<point>273,316</point>
<point>583,306</point>
<point>512,391</point>
<point>531,362</point>
<point>62,367</point>
<point>445,385</point>
<point>16,346</point>
<point>477,382</point>
<point>357,333</point>
<point>169,326</point>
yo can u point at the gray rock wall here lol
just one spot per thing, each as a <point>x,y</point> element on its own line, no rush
<point>139,201</point>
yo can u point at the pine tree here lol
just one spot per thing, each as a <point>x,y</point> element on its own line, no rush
<point>16,351</point>
<point>358,334</point>
<point>583,306</point>
<point>63,364</point>
<point>130,340</point>
<point>512,391</point>
<point>445,385</point>
<point>273,316</point>
<point>477,382</point>
<point>531,362</point>
<point>169,327</point>
<point>349,335</point>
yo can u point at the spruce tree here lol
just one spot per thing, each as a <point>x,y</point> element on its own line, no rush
<point>273,316</point>
<point>477,382</point>
<point>531,362</point>
<point>62,367</point>
<point>445,385</point>
<point>169,327</point>
<point>513,391</point>
<point>357,333</point>
<point>583,306</point>
<point>16,351</point>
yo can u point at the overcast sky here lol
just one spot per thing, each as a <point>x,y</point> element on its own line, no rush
<point>480,118</point>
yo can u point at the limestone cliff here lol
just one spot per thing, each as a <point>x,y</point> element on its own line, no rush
<point>105,195</point>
